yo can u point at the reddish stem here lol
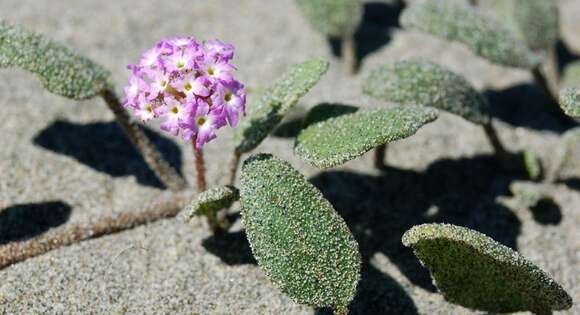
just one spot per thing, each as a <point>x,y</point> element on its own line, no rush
<point>199,168</point>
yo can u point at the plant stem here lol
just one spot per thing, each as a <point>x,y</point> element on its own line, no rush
<point>348,51</point>
<point>199,168</point>
<point>168,206</point>
<point>494,140</point>
<point>234,163</point>
<point>505,158</point>
<point>380,156</point>
<point>168,176</point>
<point>217,223</point>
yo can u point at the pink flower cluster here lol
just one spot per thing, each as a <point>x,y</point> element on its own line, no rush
<point>188,84</point>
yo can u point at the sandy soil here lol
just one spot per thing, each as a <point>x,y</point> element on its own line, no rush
<point>64,162</point>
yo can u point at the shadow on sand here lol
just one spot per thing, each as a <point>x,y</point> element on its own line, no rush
<point>104,147</point>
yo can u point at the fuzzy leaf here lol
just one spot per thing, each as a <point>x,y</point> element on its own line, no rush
<point>570,101</point>
<point>60,70</point>
<point>209,202</point>
<point>276,102</point>
<point>475,271</point>
<point>571,75</point>
<point>334,18</point>
<point>425,83</point>
<point>535,22</point>
<point>336,140</point>
<point>297,237</point>
<point>458,22</point>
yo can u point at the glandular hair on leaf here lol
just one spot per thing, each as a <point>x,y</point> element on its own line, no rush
<point>428,84</point>
<point>333,18</point>
<point>276,102</point>
<point>335,134</point>
<point>473,270</point>
<point>535,22</point>
<point>303,245</point>
<point>483,34</point>
<point>60,70</point>
<point>209,202</point>
<point>570,101</point>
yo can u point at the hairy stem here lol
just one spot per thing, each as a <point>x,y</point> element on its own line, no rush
<point>494,140</point>
<point>199,169</point>
<point>167,206</point>
<point>168,176</point>
<point>348,51</point>
<point>380,156</point>
<point>217,223</point>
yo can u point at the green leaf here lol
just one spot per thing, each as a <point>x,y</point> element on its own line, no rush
<point>297,237</point>
<point>59,69</point>
<point>334,18</point>
<point>475,271</point>
<point>458,22</point>
<point>535,22</point>
<point>276,102</point>
<point>570,101</point>
<point>425,83</point>
<point>209,202</point>
<point>336,140</point>
<point>571,76</point>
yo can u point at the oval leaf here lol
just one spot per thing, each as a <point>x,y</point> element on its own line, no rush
<point>334,18</point>
<point>304,246</point>
<point>209,202</point>
<point>60,70</point>
<point>570,101</point>
<point>276,102</point>
<point>425,83</point>
<point>475,271</point>
<point>458,22</point>
<point>336,140</point>
<point>535,22</point>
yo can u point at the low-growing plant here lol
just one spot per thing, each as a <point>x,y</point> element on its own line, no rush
<point>304,246</point>
<point>524,37</point>
<point>475,271</point>
<point>426,83</point>
<point>336,19</point>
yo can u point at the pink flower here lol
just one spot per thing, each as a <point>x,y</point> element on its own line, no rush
<point>175,114</point>
<point>203,123</point>
<point>232,97</point>
<point>189,85</point>
<point>145,110</point>
<point>192,86</point>
<point>218,50</point>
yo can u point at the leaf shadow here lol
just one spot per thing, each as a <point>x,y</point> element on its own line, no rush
<point>547,212</point>
<point>377,293</point>
<point>564,55</point>
<point>373,32</point>
<point>380,208</point>
<point>523,105</point>
<point>25,221</point>
<point>232,248</point>
<point>104,147</point>
<point>572,183</point>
